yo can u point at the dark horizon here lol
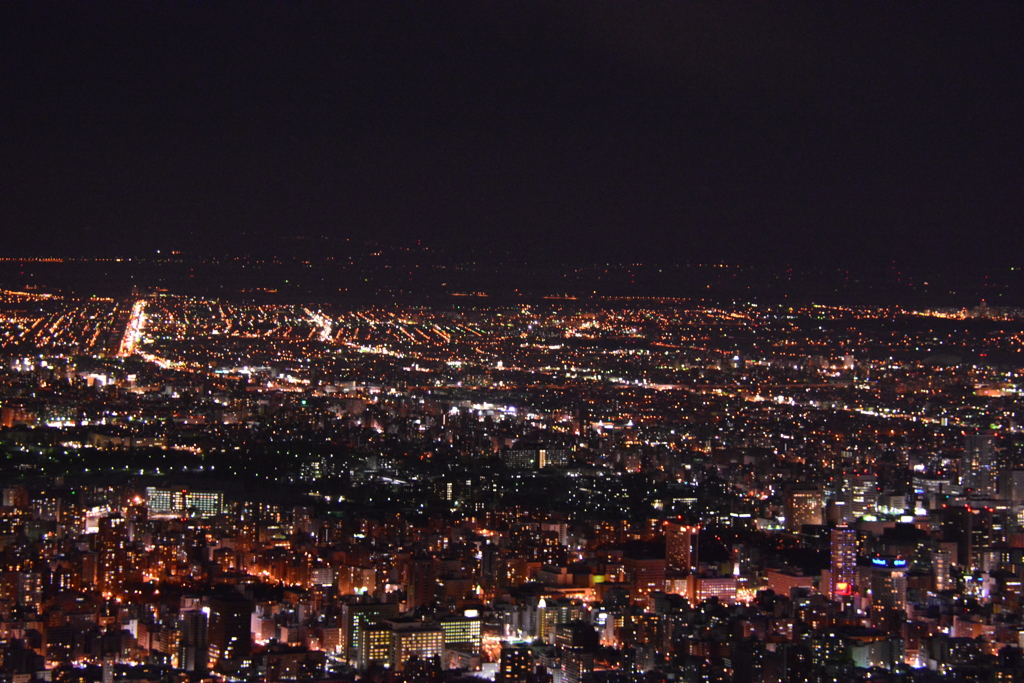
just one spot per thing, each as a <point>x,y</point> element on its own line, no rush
<point>783,135</point>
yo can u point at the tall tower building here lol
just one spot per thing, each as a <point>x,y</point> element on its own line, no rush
<point>111,544</point>
<point>843,561</point>
<point>229,631</point>
<point>681,546</point>
<point>193,650</point>
<point>422,584</point>
<point>943,557</point>
<point>978,468</point>
<point>888,592</point>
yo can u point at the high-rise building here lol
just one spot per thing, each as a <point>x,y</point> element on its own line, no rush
<point>229,631</point>
<point>843,563</point>
<point>113,566</point>
<point>943,558</point>
<point>493,572</point>
<point>860,496</point>
<point>888,592</point>
<point>804,506</point>
<point>576,664</point>
<point>554,612</point>
<point>577,634</point>
<point>356,617</point>
<point>1011,486</point>
<point>681,546</point>
<point>421,589</point>
<point>978,469</point>
<point>972,529</point>
<point>193,647</point>
<point>374,645</point>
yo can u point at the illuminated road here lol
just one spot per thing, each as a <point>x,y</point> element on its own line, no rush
<point>132,334</point>
<point>321,321</point>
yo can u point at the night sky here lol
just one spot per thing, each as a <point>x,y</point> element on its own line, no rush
<point>845,133</point>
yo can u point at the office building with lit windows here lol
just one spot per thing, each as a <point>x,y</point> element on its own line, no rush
<point>417,639</point>
<point>461,633</point>
<point>356,617</point>
<point>182,502</point>
<point>860,496</point>
<point>374,645</point>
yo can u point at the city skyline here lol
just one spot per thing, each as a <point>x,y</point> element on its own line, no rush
<point>627,490</point>
<point>511,342</point>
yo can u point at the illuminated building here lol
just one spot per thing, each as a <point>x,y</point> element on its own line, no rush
<point>180,502</point>
<point>461,633</point>
<point>11,416</point>
<point>322,576</point>
<point>418,639</point>
<point>577,663</point>
<point>645,576</point>
<point>553,613</point>
<point>516,665</point>
<point>113,565</point>
<point>783,582</point>
<point>804,506</point>
<point>532,457</point>
<point>15,497</point>
<point>943,558</point>
<point>888,591</point>
<point>703,588</point>
<point>332,640</point>
<point>860,496</point>
<point>681,546</point>
<point>356,617</point>
<point>24,589</point>
<point>374,645</point>
<point>978,469</point>
<point>843,564</point>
